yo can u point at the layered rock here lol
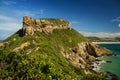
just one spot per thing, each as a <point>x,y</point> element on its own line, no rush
<point>84,54</point>
<point>47,25</point>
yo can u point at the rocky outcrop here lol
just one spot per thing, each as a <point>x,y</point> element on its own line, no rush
<point>84,54</point>
<point>1,44</point>
<point>22,46</point>
<point>47,25</point>
<point>93,49</point>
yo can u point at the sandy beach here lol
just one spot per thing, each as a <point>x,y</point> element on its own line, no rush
<point>106,42</point>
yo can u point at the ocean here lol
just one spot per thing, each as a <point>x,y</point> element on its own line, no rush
<point>114,66</point>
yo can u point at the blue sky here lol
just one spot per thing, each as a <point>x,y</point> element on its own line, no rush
<point>90,17</point>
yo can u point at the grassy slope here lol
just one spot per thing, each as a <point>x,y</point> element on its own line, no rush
<point>47,63</point>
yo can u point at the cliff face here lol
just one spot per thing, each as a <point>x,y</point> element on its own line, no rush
<point>84,54</point>
<point>31,25</point>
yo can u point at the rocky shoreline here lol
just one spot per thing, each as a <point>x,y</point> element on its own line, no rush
<point>111,76</point>
<point>96,66</point>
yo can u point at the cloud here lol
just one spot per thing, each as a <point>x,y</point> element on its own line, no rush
<point>5,18</point>
<point>41,11</point>
<point>119,25</point>
<point>75,22</point>
<point>9,23</point>
<point>23,13</point>
<point>101,34</point>
<point>117,19</point>
<point>8,26</point>
<point>8,2</point>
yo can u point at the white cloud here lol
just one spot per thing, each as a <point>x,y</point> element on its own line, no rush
<point>9,23</point>
<point>75,22</point>
<point>101,34</point>
<point>10,26</point>
<point>6,18</point>
<point>119,25</point>
<point>117,19</point>
<point>23,13</point>
<point>8,2</point>
<point>41,11</point>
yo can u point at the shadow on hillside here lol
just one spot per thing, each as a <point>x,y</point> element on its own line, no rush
<point>21,33</point>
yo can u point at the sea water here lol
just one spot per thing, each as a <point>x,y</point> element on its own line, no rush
<point>114,66</point>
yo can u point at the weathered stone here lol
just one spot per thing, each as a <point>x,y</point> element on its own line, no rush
<point>84,54</point>
<point>43,25</point>
<point>22,46</point>
<point>1,44</point>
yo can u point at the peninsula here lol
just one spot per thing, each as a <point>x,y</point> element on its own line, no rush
<point>47,49</point>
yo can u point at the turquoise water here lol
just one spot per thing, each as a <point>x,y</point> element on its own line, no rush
<point>113,67</point>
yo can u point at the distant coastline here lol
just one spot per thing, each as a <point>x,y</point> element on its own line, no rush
<point>106,42</point>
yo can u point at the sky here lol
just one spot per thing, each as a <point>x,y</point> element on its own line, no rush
<point>99,18</point>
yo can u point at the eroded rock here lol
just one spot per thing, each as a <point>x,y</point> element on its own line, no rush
<point>1,44</point>
<point>84,54</point>
<point>31,25</point>
<point>22,46</point>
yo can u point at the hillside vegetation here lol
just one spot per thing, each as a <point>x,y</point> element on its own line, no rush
<point>38,57</point>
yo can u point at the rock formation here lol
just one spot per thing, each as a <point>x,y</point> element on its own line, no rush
<point>1,44</point>
<point>84,54</point>
<point>47,25</point>
<point>22,46</point>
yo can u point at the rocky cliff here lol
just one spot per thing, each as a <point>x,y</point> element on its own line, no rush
<point>31,25</point>
<point>84,54</point>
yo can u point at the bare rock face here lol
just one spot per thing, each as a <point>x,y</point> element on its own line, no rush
<point>100,51</point>
<point>28,25</point>
<point>93,49</point>
<point>31,25</point>
<point>84,54</point>
<point>22,46</point>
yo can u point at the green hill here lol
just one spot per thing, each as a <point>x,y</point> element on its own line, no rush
<point>38,57</point>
